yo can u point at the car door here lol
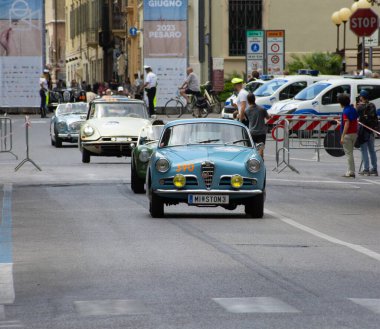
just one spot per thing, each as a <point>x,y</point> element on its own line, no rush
<point>291,90</point>
<point>329,99</point>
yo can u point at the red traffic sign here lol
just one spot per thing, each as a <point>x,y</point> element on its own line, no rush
<point>364,22</point>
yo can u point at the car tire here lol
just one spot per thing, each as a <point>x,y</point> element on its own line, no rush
<point>156,206</point>
<point>52,142</point>
<point>58,142</point>
<point>137,184</point>
<point>254,208</point>
<point>86,156</point>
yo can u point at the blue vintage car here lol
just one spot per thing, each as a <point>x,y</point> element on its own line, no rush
<point>66,122</point>
<point>206,162</point>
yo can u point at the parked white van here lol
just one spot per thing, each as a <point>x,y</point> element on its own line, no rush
<point>282,88</point>
<point>321,98</point>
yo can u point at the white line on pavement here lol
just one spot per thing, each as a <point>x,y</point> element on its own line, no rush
<point>372,181</point>
<point>318,181</point>
<point>356,247</point>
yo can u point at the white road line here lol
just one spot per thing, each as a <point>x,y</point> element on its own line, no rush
<point>369,303</point>
<point>356,247</point>
<point>372,181</point>
<point>318,181</point>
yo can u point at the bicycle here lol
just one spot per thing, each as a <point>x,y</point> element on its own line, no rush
<point>176,106</point>
<point>212,97</point>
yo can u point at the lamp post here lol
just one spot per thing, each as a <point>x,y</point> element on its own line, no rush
<point>344,15</point>
<point>337,21</point>
<point>364,4</point>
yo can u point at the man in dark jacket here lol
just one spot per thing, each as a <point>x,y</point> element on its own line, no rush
<point>368,119</point>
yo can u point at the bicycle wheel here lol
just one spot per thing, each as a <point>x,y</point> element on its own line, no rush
<point>216,104</point>
<point>173,108</point>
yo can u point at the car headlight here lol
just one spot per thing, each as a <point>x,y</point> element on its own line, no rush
<point>253,165</point>
<point>144,155</point>
<point>162,165</point>
<point>237,181</point>
<point>61,125</point>
<point>88,131</point>
<point>179,181</point>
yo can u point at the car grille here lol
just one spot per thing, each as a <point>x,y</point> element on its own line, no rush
<point>207,173</point>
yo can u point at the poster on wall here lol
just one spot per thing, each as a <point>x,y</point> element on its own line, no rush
<point>20,52</point>
<point>165,45</point>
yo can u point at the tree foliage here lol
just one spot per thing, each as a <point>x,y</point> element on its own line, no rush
<point>325,63</point>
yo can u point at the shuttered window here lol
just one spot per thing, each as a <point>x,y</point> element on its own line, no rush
<point>243,15</point>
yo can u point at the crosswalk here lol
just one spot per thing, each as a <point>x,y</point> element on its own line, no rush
<point>11,324</point>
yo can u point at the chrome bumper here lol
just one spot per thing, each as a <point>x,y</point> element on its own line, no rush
<point>229,192</point>
<point>69,136</point>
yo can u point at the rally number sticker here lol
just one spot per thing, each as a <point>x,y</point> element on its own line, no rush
<point>185,167</point>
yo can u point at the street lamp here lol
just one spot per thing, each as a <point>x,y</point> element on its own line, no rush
<point>337,21</point>
<point>354,7</point>
<point>363,4</point>
<point>344,15</point>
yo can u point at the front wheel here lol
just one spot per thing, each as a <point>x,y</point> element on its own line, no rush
<point>173,108</point>
<point>254,207</point>
<point>156,206</point>
<point>217,104</point>
<point>86,156</point>
<point>137,184</point>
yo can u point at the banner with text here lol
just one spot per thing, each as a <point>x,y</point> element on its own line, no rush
<point>165,44</point>
<point>21,35</point>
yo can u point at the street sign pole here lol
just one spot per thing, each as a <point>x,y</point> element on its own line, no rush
<point>363,53</point>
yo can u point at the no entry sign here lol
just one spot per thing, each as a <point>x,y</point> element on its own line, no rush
<point>363,22</point>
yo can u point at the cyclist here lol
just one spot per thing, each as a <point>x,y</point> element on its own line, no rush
<point>191,85</point>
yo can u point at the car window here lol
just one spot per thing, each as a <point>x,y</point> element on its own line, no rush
<point>269,87</point>
<point>331,97</point>
<point>373,90</point>
<point>292,90</point>
<point>204,134</point>
<point>150,134</point>
<point>311,92</point>
<point>70,108</point>
<point>112,110</point>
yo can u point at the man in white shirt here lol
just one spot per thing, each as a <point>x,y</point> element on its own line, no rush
<point>367,72</point>
<point>241,100</point>
<point>150,87</point>
<point>191,86</point>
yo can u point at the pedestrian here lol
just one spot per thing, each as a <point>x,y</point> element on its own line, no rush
<point>150,87</point>
<point>43,100</point>
<point>366,72</point>
<point>190,86</point>
<point>138,87</point>
<point>120,91</point>
<point>241,100</point>
<point>366,137</point>
<point>348,129</point>
<point>256,116</point>
<point>254,76</point>
<point>90,95</point>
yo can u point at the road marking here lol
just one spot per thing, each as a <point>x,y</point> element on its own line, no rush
<point>356,247</point>
<point>369,303</point>
<point>372,181</point>
<point>109,307</point>
<point>255,305</point>
<point>11,324</point>
<point>318,181</point>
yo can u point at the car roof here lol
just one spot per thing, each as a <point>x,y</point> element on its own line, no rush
<point>339,81</point>
<point>205,120</point>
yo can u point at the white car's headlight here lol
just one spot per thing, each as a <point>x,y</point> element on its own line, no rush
<point>88,131</point>
<point>253,165</point>
<point>144,155</point>
<point>162,165</point>
<point>61,125</point>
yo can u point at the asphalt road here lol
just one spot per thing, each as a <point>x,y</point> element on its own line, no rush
<point>86,253</point>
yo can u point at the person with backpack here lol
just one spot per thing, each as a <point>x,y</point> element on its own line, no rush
<point>366,137</point>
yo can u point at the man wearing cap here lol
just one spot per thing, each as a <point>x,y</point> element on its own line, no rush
<point>120,91</point>
<point>150,87</point>
<point>366,137</point>
<point>241,100</point>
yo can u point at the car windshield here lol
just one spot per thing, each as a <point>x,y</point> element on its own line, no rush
<point>70,108</point>
<point>110,110</point>
<point>204,133</point>
<point>269,87</point>
<point>311,92</point>
<point>150,134</point>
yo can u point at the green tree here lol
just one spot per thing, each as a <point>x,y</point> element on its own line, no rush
<point>325,63</point>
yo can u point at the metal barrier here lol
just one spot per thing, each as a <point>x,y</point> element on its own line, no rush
<point>302,132</point>
<point>377,133</point>
<point>6,134</point>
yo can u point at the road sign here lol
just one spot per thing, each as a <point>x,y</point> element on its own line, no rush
<point>364,22</point>
<point>372,41</point>
<point>255,51</point>
<point>275,41</point>
<point>133,31</point>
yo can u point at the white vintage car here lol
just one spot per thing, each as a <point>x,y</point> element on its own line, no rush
<point>112,127</point>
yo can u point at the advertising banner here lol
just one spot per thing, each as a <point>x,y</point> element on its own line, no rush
<point>21,36</point>
<point>165,44</point>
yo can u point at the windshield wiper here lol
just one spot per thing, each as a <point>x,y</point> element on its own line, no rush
<point>238,141</point>
<point>208,141</point>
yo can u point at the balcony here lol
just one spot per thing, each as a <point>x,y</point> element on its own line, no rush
<point>92,38</point>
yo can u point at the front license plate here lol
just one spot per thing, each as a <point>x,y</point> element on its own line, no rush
<point>122,139</point>
<point>208,199</point>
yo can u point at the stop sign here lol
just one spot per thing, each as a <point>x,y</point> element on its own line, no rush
<point>364,22</point>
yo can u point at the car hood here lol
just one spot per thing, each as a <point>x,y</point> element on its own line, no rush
<point>118,126</point>
<point>284,106</point>
<point>196,153</point>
